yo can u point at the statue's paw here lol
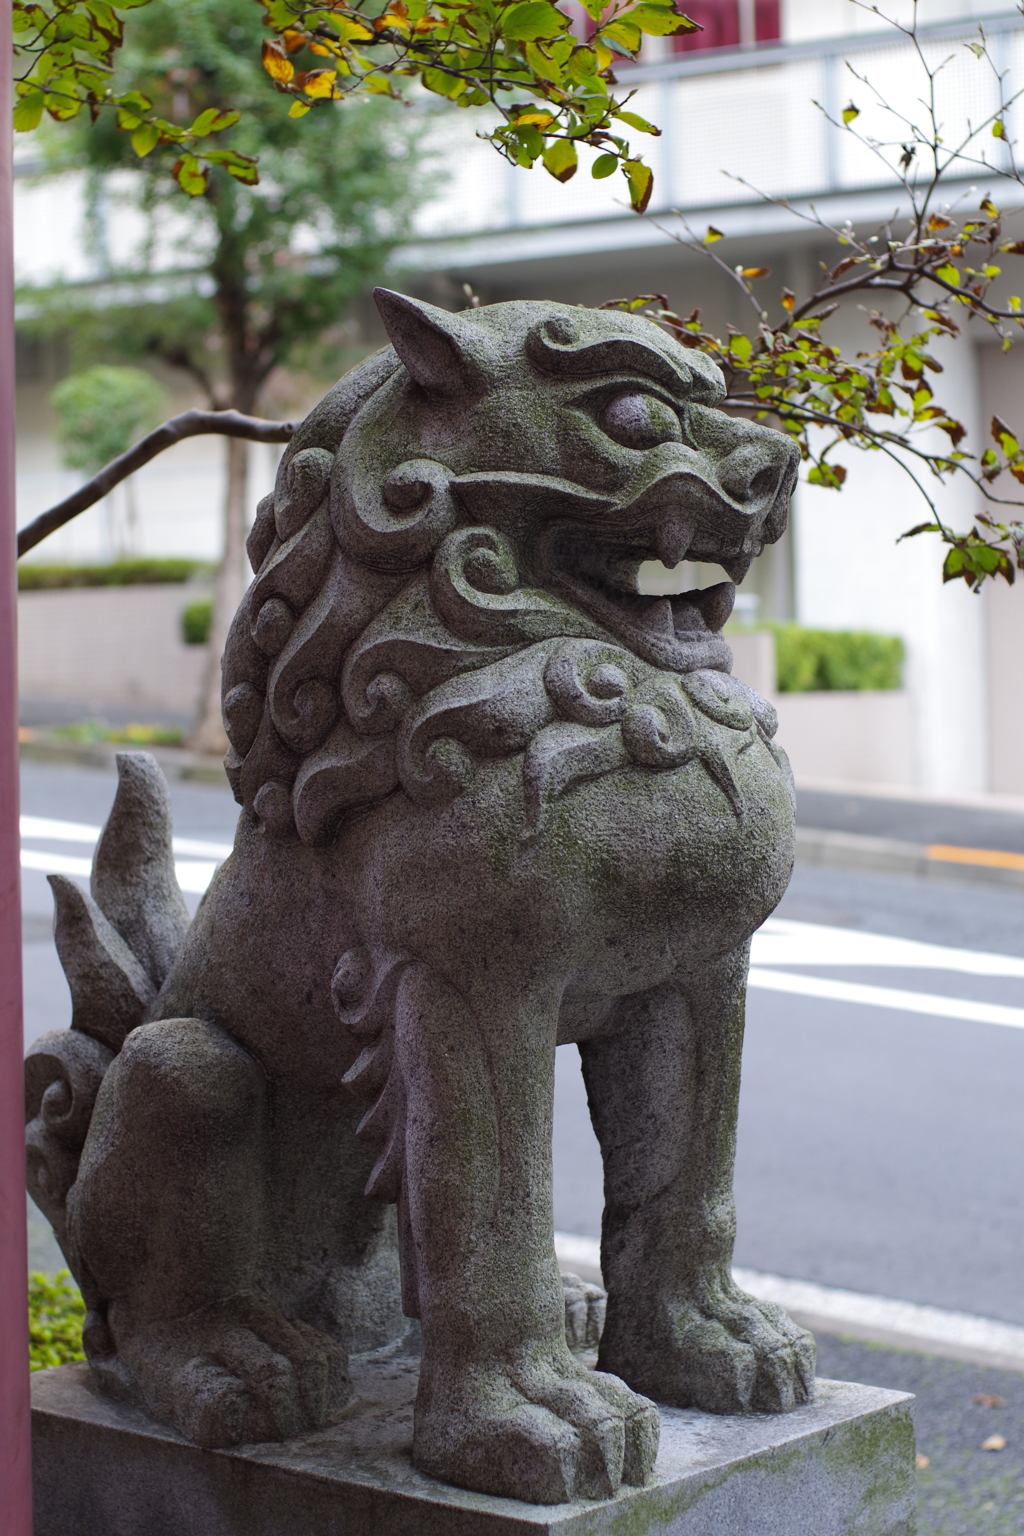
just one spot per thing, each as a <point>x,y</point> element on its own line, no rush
<point>238,1371</point>
<point>550,1435</point>
<point>729,1354</point>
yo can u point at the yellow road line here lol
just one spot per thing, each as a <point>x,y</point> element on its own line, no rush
<point>991,858</point>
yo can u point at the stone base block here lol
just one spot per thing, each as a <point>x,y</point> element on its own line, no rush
<point>841,1466</point>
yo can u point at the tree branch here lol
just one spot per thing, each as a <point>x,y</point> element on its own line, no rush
<point>189,424</point>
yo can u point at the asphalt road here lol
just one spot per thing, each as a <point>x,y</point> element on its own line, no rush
<point>880,1150</point>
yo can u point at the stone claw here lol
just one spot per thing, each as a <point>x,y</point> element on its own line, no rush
<point>728,1353</point>
<point>238,1372</point>
<point>549,1435</point>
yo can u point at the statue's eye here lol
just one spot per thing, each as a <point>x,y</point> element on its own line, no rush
<point>641,421</point>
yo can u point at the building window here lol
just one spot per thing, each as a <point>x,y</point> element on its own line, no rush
<point>725,21</point>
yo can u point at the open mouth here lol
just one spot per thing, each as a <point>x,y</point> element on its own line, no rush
<point>682,632</point>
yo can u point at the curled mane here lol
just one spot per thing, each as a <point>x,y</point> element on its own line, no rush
<point>393,637</point>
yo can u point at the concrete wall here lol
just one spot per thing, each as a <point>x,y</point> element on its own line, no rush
<point>849,738</point>
<point>109,646</point>
<point>121,647</point>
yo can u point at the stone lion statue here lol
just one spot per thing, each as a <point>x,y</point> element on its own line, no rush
<point>494,799</point>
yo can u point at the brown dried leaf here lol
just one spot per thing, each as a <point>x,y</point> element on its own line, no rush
<point>922,1462</point>
<point>994,1443</point>
<point>986,1399</point>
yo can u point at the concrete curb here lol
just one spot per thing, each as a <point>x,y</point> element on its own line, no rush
<point>851,1314</point>
<point>176,762</point>
<point>884,855</point>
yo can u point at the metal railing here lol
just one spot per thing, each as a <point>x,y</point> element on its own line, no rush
<point>742,123</point>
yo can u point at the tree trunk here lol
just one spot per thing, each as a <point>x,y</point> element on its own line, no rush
<point>208,733</point>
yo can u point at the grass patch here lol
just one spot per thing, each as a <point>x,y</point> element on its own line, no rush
<point>134,735</point>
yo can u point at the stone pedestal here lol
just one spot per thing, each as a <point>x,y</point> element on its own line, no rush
<point>842,1465</point>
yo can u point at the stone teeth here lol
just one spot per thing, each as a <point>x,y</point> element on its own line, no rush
<point>672,538</point>
<point>657,617</point>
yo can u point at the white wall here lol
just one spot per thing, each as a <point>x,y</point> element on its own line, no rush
<point>852,574</point>
<point>803,19</point>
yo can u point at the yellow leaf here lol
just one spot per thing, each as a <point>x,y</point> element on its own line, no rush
<point>850,113</point>
<point>299,109</point>
<point>712,235</point>
<point>319,83</point>
<point>641,184</point>
<point>937,222</point>
<point>277,64</point>
<point>753,272</point>
<point>533,119</point>
<point>292,40</point>
<point>350,31</point>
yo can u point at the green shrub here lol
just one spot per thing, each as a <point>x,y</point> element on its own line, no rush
<point>117,573</point>
<point>56,1312</point>
<point>195,623</point>
<point>808,660</point>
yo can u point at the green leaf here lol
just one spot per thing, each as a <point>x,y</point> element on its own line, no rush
<point>948,274</point>
<point>543,67</point>
<point>640,123</point>
<point>213,121</point>
<point>247,174</point>
<point>740,347</point>
<point>145,138</point>
<point>29,112</point>
<point>189,176</point>
<point>561,159</point>
<point>623,33</point>
<point>603,166</point>
<point>660,21</point>
<point>536,19</point>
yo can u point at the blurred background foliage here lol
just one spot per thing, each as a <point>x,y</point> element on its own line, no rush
<point>56,1312</point>
<point>812,660</point>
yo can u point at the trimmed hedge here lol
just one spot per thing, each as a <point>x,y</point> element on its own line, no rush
<point>195,622</point>
<point>812,660</point>
<point>118,573</point>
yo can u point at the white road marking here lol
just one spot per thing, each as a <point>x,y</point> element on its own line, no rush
<point>905,1324</point>
<point>886,997</point>
<point>781,941</point>
<point>44,828</point>
<point>193,876</point>
<point>194,873</point>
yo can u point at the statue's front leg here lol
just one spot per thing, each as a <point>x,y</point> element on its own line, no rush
<point>503,1407</point>
<point>664,1096</point>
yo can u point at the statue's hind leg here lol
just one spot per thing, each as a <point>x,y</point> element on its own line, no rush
<point>664,1095</point>
<point>503,1407</point>
<point>166,1218</point>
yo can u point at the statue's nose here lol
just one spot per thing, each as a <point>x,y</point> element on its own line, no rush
<point>751,476</point>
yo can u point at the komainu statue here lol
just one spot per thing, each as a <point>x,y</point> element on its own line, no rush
<point>494,799</point>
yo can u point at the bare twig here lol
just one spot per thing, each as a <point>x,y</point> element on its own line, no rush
<point>189,424</point>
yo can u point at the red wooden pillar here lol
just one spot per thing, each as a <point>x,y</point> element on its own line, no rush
<point>15,1441</point>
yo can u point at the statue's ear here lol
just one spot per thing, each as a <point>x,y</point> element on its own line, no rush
<point>444,354</point>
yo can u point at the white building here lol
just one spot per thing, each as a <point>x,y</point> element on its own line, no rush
<point>743,122</point>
